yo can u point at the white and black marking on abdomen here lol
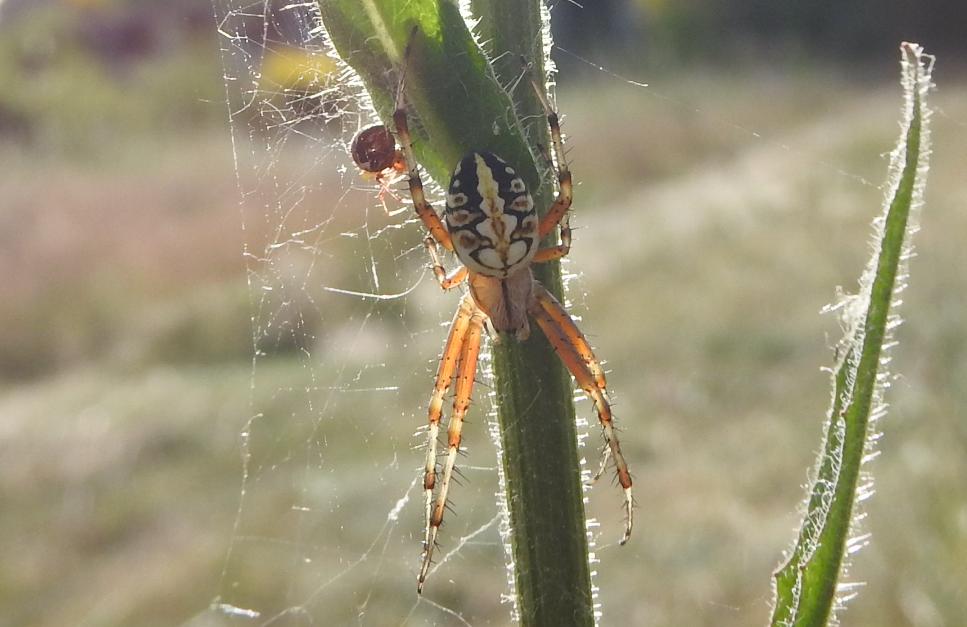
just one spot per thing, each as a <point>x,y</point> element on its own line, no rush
<point>490,216</point>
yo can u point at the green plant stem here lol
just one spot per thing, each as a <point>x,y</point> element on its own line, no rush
<point>534,408</point>
<point>806,585</point>
<point>458,104</point>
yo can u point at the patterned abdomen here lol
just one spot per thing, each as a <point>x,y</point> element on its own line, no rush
<point>490,216</point>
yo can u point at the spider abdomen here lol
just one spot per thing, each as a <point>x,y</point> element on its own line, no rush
<point>374,149</point>
<point>490,216</point>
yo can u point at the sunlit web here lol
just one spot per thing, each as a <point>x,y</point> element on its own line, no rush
<point>345,333</point>
<point>346,329</point>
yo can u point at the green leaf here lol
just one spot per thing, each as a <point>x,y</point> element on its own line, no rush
<point>454,98</point>
<point>456,103</point>
<point>807,587</point>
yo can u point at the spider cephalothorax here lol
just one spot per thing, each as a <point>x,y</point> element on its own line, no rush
<point>493,228</point>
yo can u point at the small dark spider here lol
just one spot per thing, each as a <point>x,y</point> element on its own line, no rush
<point>374,152</point>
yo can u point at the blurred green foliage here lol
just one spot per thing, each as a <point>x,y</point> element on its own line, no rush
<point>120,472</point>
<point>90,91</point>
<point>77,80</point>
<point>665,34</point>
<point>122,477</point>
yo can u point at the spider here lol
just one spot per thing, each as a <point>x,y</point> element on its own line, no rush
<point>375,153</point>
<point>493,227</point>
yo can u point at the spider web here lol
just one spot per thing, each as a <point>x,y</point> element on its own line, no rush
<point>347,327</point>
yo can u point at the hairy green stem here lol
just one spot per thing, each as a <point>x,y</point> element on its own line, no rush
<point>534,408</point>
<point>458,103</point>
<point>806,586</point>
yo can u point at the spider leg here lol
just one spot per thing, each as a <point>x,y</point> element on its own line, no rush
<point>424,209</point>
<point>562,249</point>
<point>469,352</point>
<point>385,189</point>
<point>446,280</point>
<point>562,202</point>
<point>576,353</point>
<point>448,366</point>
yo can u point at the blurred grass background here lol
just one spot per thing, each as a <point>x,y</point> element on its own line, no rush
<point>716,211</point>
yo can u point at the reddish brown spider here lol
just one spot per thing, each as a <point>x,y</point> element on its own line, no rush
<point>374,152</point>
<point>493,227</point>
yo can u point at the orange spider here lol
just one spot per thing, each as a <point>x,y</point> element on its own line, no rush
<point>492,226</point>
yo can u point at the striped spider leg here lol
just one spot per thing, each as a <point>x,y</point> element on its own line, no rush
<point>575,351</point>
<point>558,214</point>
<point>460,354</point>
<point>560,328</point>
<point>492,226</point>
